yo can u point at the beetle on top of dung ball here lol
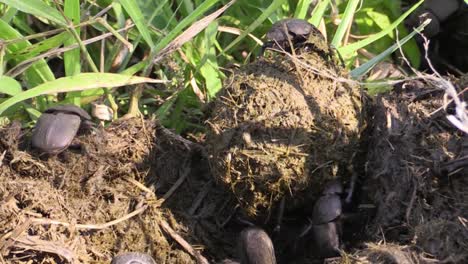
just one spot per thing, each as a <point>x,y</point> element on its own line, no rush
<point>296,32</point>
<point>57,127</point>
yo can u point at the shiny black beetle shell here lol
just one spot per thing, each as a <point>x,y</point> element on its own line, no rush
<point>57,126</point>
<point>133,258</point>
<point>333,187</point>
<point>326,209</point>
<point>296,30</point>
<point>256,247</point>
<point>327,238</point>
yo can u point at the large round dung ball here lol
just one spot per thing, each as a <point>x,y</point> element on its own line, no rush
<point>278,128</point>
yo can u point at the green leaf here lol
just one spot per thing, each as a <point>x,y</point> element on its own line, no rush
<point>318,12</point>
<point>37,73</point>
<point>79,82</point>
<point>302,8</point>
<point>33,50</point>
<point>345,23</point>
<point>9,14</point>
<point>210,69</point>
<point>71,58</point>
<point>37,8</point>
<point>9,86</point>
<point>348,50</point>
<point>364,68</point>
<point>275,5</point>
<point>195,15</point>
<point>137,16</point>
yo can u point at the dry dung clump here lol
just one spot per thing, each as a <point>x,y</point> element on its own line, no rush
<point>387,253</point>
<point>85,206</point>
<point>416,175</point>
<point>278,127</point>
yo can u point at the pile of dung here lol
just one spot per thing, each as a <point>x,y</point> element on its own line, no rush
<point>417,177</point>
<point>278,128</point>
<point>85,206</point>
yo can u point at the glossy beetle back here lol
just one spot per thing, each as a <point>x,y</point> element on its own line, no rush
<point>333,187</point>
<point>133,258</point>
<point>326,209</point>
<point>294,27</point>
<point>256,247</point>
<point>327,239</point>
<point>69,109</point>
<point>54,132</point>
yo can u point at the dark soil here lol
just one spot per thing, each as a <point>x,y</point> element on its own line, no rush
<point>417,178</point>
<point>135,186</point>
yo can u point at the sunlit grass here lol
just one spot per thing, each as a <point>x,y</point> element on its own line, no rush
<point>46,39</point>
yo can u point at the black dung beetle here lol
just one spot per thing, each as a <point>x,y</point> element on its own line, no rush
<point>57,127</point>
<point>326,209</point>
<point>256,247</point>
<point>133,258</point>
<point>298,31</point>
<point>302,35</point>
<point>326,222</point>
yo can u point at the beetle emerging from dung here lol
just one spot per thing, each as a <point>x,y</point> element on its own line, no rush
<point>57,127</point>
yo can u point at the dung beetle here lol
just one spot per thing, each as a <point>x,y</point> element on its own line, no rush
<point>133,258</point>
<point>302,35</point>
<point>296,30</point>
<point>255,247</point>
<point>326,209</point>
<point>57,127</point>
<point>326,222</point>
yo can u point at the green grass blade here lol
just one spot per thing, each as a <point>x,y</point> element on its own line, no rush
<point>195,15</point>
<point>210,70</point>
<point>137,16</point>
<point>79,82</point>
<point>346,21</point>
<point>318,12</point>
<point>9,86</point>
<point>71,58</point>
<point>364,68</point>
<point>9,14</point>
<point>39,72</point>
<point>275,5</point>
<point>35,49</point>
<point>348,50</point>
<point>37,8</point>
<point>302,8</point>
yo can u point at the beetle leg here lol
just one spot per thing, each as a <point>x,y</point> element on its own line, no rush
<point>350,190</point>
<point>306,229</point>
<point>265,46</point>
<point>279,220</point>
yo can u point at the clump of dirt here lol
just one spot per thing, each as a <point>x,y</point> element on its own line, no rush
<point>84,206</point>
<point>281,125</point>
<point>416,176</point>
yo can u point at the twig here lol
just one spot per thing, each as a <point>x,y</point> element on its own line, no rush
<point>42,221</point>
<point>411,203</point>
<point>15,71</point>
<point>184,244</point>
<point>201,195</point>
<point>177,184</point>
<point>448,102</point>
<point>2,157</point>
<point>35,243</point>
<point>140,186</point>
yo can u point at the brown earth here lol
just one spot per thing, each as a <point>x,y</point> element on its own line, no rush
<point>135,186</point>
